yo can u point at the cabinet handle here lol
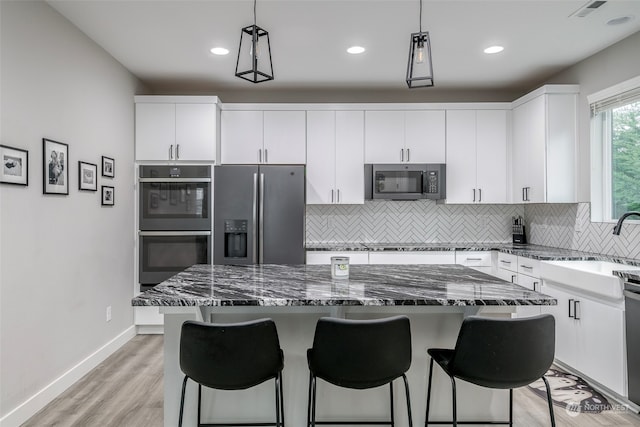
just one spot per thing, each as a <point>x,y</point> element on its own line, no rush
<point>571,301</point>
<point>523,196</point>
<point>535,287</point>
<point>402,154</point>
<point>505,262</point>
<point>513,278</point>
<point>259,155</point>
<point>177,151</point>
<point>266,158</point>
<point>576,311</point>
<point>171,152</point>
<point>526,266</point>
<point>331,196</point>
<point>408,155</point>
<point>338,198</point>
<point>480,193</point>
<point>474,194</point>
<point>474,259</point>
<point>527,193</point>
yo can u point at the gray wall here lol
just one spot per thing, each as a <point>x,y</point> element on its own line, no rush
<point>63,258</point>
<point>611,66</point>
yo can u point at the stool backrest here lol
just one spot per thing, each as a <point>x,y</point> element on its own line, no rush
<point>230,356</point>
<point>504,353</point>
<point>360,353</point>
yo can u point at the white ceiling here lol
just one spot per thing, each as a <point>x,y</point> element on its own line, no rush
<point>166,43</point>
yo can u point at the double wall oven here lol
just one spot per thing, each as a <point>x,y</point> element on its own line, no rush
<point>175,220</point>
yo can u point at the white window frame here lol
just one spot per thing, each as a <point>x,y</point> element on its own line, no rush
<point>601,173</point>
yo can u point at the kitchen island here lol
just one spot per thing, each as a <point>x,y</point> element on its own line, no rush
<point>435,297</point>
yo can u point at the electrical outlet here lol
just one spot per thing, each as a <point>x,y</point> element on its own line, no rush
<point>108,313</point>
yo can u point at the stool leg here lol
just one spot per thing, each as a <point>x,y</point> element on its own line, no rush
<point>406,390</point>
<point>549,401</point>
<point>391,402</point>
<point>276,381</point>
<point>455,410</point>
<point>199,402</point>
<point>281,399</point>
<point>426,417</point>
<point>184,385</point>
<point>510,407</point>
<point>309,401</point>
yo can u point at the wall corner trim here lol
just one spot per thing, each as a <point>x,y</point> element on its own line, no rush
<point>32,405</point>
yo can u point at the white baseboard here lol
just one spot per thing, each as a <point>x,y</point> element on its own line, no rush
<point>31,406</point>
<point>150,329</point>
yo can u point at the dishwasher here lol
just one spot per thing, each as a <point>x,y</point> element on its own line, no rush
<point>632,321</point>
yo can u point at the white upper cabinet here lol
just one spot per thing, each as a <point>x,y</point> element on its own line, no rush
<point>176,128</point>
<point>544,145</point>
<point>477,156</point>
<point>405,136</point>
<point>266,137</point>
<point>335,157</point>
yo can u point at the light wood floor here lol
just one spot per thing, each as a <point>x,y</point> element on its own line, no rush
<point>126,391</point>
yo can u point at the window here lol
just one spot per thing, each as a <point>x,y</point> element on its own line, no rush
<point>615,124</point>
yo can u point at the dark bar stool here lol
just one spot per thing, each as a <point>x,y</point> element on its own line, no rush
<point>234,356</point>
<point>500,354</point>
<point>359,354</point>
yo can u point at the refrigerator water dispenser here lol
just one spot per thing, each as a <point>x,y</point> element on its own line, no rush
<point>235,238</point>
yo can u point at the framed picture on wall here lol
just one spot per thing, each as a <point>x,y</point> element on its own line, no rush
<point>55,167</point>
<point>15,166</point>
<point>108,167</point>
<point>87,176</point>
<point>108,196</point>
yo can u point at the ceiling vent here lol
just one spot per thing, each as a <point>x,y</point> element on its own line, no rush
<point>587,9</point>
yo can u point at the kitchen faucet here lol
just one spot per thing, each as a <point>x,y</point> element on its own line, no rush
<point>618,227</point>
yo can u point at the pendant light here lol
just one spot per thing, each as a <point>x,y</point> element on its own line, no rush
<point>420,67</point>
<point>254,55</point>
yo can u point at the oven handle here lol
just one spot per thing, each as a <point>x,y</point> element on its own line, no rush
<point>174,179</point>
<point>174,233</point>
<point>632,295</point>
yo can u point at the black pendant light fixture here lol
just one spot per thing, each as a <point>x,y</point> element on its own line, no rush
<point>254,55</point>
<point>420,68</point>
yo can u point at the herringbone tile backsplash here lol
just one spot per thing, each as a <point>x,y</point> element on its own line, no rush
<point>420,221</point>
<point>569,226</point>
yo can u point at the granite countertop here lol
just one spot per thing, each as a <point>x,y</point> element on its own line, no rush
<point>544,253</point>
<point>312,285</point>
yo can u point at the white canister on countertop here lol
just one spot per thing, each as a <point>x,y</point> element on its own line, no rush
<point>340,267</point>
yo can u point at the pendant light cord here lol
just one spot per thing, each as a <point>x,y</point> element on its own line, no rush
<point>420,15</point>
<point>254,11</point>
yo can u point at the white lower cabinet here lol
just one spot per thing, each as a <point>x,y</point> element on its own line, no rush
<point>324,257</point>
<point>507,267</point>
<point>478,260</point>
<point>412,257</point>
<point>589,336</point>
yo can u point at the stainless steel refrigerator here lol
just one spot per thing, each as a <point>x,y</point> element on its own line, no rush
<point>259,214</point>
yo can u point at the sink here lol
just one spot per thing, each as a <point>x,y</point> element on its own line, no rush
<point>594,277</point>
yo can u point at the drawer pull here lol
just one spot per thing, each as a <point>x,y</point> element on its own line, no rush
<point>505,262</point>
<point>526,266</point>
<point>571,304</point>
<point>474,259</point>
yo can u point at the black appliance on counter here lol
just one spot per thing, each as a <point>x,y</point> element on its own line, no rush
<point>174,220</point>
<point>517,226</point>
<point>259,214</point>
<point>405,181</point>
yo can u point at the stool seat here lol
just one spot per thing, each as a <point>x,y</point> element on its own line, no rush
<point>232,356</point>
<point>497,353</point>
<point>359,354</point>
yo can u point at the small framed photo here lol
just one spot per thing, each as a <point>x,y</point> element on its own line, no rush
<point>108,195</point>
<point>87,176</point>
<point>108,167</point>
<point>15,166</point>
<point>55,167</point>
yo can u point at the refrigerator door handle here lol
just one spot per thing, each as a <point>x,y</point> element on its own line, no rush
<point>261,224</point>
<point>255,213</point>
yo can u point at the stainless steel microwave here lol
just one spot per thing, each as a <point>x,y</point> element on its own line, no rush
<point>405,181</point>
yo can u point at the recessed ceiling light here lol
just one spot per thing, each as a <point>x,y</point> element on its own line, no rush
<point>219,51</point>
<point>494,49</point>
<point>619,20</point>
<point>354,50</point>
